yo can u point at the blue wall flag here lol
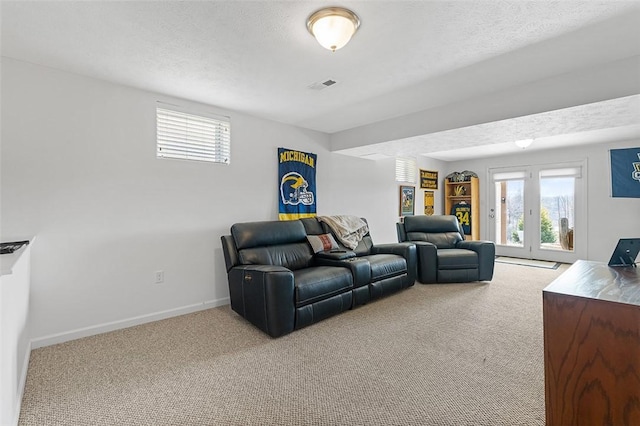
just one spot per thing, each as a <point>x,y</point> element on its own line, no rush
<point>625,172</point>
<point>297,183</point>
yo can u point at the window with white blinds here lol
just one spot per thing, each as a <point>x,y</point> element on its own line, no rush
<point>192,137</point>
<point>514,175</point>
<point>575,171</point>
<point>406,170</point>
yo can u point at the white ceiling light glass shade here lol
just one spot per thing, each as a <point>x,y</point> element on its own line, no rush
<point>523,143</point>
<point>333,27</point>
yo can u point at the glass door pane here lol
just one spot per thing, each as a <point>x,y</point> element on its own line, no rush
<point>561,213</point>
<point>509,209</point>
<point>557,213</point>
<point>506,216</point>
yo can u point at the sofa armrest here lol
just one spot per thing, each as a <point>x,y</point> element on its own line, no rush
<point>264,295</point>
<point>486,251</point>
<point>483,248</point>
<point>401,249</point>
<point>360,268</point>
<point>407,250</point>
<point>427,262</point>
<point>335,254</point>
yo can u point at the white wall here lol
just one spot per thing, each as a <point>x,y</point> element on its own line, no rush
<point>608,218</point>
<point>79,171</point>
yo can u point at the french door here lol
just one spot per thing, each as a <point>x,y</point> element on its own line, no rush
<point>538,212</point>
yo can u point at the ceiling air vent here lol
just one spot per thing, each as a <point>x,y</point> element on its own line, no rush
<point>322,85</point>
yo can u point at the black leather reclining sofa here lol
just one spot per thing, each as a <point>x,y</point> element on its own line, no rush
<point>279,284</point>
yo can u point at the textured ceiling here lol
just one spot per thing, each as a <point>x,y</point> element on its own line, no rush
<point>606,121</point>
<point>258,58</point>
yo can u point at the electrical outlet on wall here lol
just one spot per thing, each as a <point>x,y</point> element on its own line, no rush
<point>159,277</point>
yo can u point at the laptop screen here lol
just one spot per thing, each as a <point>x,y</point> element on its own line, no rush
<point>626,252</point>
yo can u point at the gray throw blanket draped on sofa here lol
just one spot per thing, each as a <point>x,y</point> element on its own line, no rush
<point>348,229</point>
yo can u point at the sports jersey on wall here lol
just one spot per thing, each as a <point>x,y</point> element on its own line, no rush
<point>463,212</point>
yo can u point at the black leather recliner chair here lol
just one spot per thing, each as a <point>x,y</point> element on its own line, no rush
<point>443,254</point>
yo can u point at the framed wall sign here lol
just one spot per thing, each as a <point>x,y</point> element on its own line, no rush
<point>428,203</point>
<point>407,200</point>
<point>428,179</point>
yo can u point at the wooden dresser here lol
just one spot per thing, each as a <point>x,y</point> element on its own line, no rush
<point>591,316</point>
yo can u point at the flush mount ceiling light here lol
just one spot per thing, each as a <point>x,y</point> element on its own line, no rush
<point>333,27</point>
<point>523,143</point>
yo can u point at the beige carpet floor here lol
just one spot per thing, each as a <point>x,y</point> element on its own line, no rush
<point>454,354</point>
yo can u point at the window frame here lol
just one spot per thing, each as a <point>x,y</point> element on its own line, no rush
<point>183,134</point>
<point>406,170</point>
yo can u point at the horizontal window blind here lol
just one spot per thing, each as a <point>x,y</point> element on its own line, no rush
<point>563,172</point>
<point>192,137</point>
<point>406,170</point>
<point>515,175</point>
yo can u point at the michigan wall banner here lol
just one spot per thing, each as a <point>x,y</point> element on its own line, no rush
<point>297,183</point>
<point>625,172</point>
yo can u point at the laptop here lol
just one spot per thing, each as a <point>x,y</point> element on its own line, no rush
<point>626,252</point>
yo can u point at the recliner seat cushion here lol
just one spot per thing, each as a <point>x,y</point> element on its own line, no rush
<point>320,282</point>
<point>457,259</point>
<point>386,265</point>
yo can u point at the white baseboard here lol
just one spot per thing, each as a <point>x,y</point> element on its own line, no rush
<point>21,385</point>
<point>66,336</point>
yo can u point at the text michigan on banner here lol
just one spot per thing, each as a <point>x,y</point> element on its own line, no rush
<point>297,180</point>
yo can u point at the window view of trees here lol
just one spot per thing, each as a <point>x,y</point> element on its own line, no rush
<point>547,232</point>
<point>514,202</point>
<point>556,208</point>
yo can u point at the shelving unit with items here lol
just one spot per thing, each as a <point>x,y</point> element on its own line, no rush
<point>462,199</point>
